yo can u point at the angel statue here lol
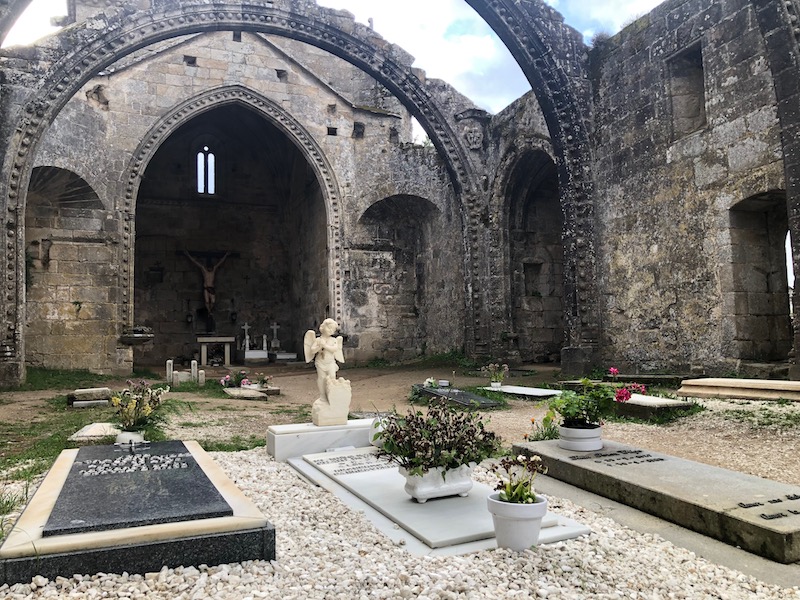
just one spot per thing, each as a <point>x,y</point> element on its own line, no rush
<point>333,404</point>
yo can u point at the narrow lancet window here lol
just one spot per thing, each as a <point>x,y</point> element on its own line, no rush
<point>206,183</point>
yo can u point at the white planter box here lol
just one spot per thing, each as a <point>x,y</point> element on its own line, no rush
<point>456,482</point>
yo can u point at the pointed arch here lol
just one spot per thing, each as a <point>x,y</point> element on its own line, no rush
<point>287,124</point>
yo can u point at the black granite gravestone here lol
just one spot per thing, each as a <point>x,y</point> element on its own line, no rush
<point>111,487</point>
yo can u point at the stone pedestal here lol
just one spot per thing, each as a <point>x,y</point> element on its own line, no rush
<point>288,441</point>
<point>336,409</point>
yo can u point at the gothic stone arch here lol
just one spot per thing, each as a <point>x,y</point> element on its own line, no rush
<point>189,109</point>
<point>124,30</point>
<point>553,58</point>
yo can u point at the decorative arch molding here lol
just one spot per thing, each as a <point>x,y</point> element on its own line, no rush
<point>71,57</point>
<point>553,58</point>
<point>276,115</point>
<point>780,27</point>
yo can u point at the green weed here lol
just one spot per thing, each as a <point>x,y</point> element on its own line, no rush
<point>235,444</point>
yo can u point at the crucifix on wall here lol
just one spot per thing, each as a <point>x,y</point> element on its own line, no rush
<point>209,271</point>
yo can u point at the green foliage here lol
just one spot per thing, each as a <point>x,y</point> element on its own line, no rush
<point>37,378</point>
<point>379,363</point>
<point>235,444</point>
<point>137,406</point>
<point>546,430</point>
<point>442,437</point>
<point>764,417</point>
<point>33,445</point>
<point>516,476</point>
<point>589,407</point>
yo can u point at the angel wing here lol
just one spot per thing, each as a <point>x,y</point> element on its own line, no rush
<point>338,355</point>
<point>308,340</point>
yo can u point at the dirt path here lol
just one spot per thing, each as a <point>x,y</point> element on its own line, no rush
<point>717,436</point>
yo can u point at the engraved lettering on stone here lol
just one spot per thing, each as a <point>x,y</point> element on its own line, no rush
<point>131,463</point>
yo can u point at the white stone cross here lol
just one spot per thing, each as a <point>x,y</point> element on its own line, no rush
<point>275,328</point>
<point>247,329</point>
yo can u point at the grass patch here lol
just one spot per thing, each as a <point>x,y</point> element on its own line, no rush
<point>47,379</point>
<point>37,443</point>
<point>236,444</point>
<point>302,412</point>
<point>212,389</point>
<point>662,417</point>
<point>764,417</point>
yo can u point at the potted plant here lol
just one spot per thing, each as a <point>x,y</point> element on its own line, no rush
<point>136,408</point>
<point>516,510</point>
<point>436,450</point>
<point>582,415</point>
<point>496,372</point>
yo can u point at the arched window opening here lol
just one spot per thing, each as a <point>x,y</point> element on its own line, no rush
<point>206,171</point>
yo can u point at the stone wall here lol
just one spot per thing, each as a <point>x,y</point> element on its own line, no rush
<point>269,211</point>
<point>686,130</point>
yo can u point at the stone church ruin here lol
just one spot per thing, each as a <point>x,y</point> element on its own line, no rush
<point>633,207</point>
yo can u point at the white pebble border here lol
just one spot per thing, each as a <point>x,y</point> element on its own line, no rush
<point>326,550</point>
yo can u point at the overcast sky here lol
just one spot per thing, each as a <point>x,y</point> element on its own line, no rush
<point>450,42</point>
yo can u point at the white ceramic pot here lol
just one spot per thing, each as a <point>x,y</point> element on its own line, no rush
<point>516,526</point>
<point>496,384</point>
<point>456,482</point>
<point>126,437</point>
<point>580,439</point>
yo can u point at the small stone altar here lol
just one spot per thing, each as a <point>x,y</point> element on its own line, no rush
<point>116,508</point>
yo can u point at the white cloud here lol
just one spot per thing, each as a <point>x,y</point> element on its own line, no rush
<point>35,22</point>
<point>447,38</point>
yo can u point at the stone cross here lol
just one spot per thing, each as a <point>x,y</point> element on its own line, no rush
<point>275,344</point>
<point>247,328</point>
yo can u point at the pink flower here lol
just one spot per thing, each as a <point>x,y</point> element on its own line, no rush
<point>245,381</point>
<point>622,395</point>
<point>613,371</point>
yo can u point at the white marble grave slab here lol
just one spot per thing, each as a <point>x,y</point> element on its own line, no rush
<point>521,390</point>
<point>94,432</point>
<point>245,393</point>
<point>287,441</point>
<point>656,401</point>
<point>438,523</point>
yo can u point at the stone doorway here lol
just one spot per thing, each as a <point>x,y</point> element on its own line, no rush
<point>229,182</point>
<point>759,324</point>
<point>537,258</point>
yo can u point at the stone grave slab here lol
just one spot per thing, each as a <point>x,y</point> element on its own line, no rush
<point>245,393</point>
<point>87,397</point>
<point>101,511</point>
<point>94,432</point>
<point>455,395</point>
<point>111,489</point>
<point>642,406</point>
<point>758,515</point>
<point>748,389</point>
<point>521,390</point>
<point>439,522</point>
<point>287,441</point>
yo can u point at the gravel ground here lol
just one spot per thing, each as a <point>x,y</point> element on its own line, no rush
<point>325,550</point>
<point>328,551</point>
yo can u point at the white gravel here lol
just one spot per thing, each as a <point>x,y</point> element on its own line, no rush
<point>327,551</point>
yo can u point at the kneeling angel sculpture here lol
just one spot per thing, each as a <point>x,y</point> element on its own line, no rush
<point>333,404</point>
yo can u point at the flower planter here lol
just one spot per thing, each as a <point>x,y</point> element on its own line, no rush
<point>496,384</point>
<point>456,482</point>
<point>516,526</point>
<point>127,437</point>
<point>581,439</point>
